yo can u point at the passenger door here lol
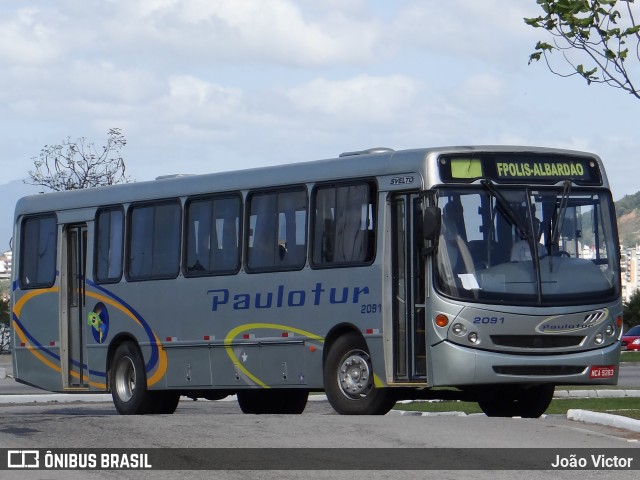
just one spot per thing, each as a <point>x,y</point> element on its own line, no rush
<point>409,343</point>
<point>73,285</point>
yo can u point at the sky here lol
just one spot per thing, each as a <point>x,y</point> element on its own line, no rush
<point>201,86</point>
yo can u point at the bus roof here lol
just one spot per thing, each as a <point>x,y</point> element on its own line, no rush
<point>367,163</point>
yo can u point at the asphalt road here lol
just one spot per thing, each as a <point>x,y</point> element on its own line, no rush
<point>220,424</point>
<point>204,424</point>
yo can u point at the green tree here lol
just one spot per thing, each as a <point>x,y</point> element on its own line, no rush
<point>79,164</point>
<point>4,311</point>
<point>597,40</point>
<point>631,310</point>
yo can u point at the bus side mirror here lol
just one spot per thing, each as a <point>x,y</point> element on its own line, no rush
<point>431,224</point>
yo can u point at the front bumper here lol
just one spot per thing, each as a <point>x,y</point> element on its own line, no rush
<point>455,365</point>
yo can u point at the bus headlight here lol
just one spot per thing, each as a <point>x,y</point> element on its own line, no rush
<point>473,338</point>
<point>459,329</point>
<point>599,338</point>
<point>610,330</point>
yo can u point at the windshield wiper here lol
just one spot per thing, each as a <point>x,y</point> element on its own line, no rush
<point>559,220</point>
<point>507,211</point>
<point>526,232</point>
<point>559,217</point>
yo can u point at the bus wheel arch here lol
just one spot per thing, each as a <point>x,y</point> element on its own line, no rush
<point>348,376</point>
<point>334,334</point>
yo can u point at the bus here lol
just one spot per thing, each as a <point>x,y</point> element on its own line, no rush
<point>484,273</point>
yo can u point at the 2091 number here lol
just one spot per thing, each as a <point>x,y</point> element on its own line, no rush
<point>488,320</point>
<point>370,308</point>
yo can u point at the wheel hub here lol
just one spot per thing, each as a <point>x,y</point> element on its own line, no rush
<point>354,375</point>
<point>125,380</point>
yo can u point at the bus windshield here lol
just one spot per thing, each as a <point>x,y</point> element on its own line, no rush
<point>531,246</point>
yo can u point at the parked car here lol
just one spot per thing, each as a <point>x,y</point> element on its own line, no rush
<point>631,339</point>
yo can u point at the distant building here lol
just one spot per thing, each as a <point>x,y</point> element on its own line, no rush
<point>629,264</point>
<point>5,264</point>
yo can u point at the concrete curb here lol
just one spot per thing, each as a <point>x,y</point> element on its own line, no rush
<point>616,421</point>
<point>602,393</point>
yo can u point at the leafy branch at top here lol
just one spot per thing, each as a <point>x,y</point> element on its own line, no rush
<point>595,31</point>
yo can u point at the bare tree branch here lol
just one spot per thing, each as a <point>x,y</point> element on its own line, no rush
<point>79,164</point>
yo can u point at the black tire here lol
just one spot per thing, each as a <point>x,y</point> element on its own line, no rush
<point>273,401</point>
<point>535,400</point>
<point>164,402</point>
<point>498,402</point>
<point>517,401</point>
<point>348,379</point>
<point>128,381</point>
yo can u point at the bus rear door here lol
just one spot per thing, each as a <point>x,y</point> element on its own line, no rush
<point>72,301</point>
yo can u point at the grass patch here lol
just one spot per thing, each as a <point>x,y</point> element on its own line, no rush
<point>630,357</point>
<point>628,407</point>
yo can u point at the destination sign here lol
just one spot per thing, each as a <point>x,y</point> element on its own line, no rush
<point>520,168</point>
<point>559,170</point>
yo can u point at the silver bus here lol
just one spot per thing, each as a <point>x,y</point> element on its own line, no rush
<point>488,274</point>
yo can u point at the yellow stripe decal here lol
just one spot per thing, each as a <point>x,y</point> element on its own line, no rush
<point>34,349</point>
<point>255,326</point>
<point>162,356</point>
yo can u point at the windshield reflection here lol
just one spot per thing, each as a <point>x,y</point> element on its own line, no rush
<point>531,246</point>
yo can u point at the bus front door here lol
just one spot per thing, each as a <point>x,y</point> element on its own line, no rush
<point>409,343</point>
<point>74,263</point>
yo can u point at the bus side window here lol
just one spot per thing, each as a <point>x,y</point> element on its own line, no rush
<point>109,245</point>
<point>154,242</point>
<point>292,228</point>
<point>38,252</point>
<point>344,225</point>
<point>277,230</point>
<point>212,236</point>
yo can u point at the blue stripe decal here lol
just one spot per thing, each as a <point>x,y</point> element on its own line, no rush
<point>153,360</point>
<point>33,341</point>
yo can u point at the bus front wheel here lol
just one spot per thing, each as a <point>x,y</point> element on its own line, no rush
<point>348,379</point>
<point>128,381</point>
<point>517,401</point>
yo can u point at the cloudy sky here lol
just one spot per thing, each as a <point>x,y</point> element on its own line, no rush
<point>208,85</point>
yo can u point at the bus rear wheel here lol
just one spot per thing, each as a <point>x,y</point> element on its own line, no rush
<point>348,379</point>
<point>128,381</point>
<point>517,401</point>
<point>164,403</point>
<point>274,401</point>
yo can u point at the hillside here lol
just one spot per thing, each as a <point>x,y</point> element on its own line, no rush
<point>628,216</point>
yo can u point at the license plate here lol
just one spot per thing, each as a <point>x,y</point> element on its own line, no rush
<point>602,372</point>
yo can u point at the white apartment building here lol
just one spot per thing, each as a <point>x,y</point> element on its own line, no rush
<point>629,264</point>
<point>5,264</point>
